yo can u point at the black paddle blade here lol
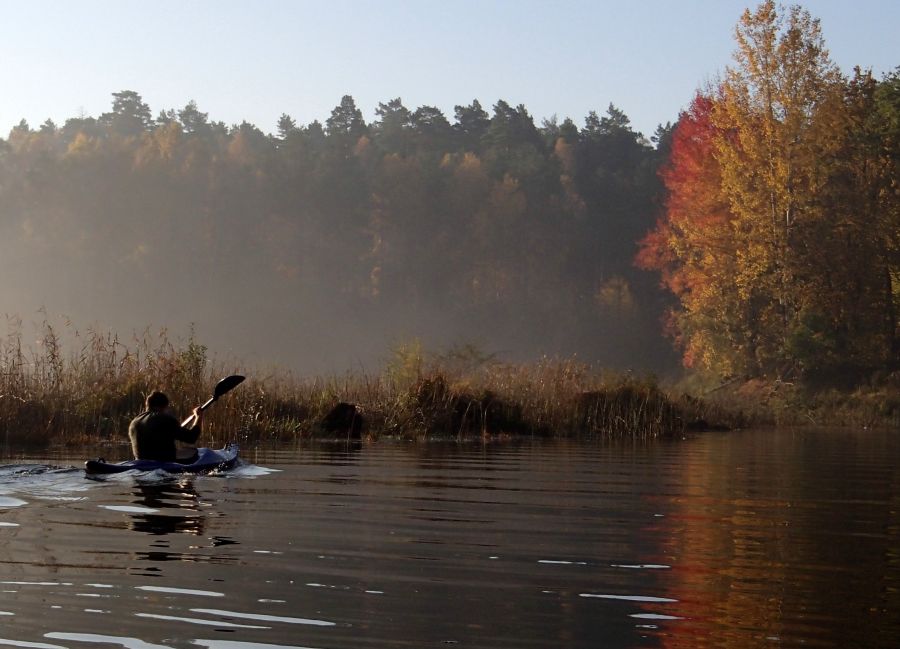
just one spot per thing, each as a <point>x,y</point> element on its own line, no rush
<point>227,384</point>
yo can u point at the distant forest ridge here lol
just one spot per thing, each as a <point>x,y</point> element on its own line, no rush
<point>491,230</point>
<point>131,115</point>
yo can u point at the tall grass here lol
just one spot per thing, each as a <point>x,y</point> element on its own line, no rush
<point>87,391</point>
<point>464,393</point>
<point>92,391</point>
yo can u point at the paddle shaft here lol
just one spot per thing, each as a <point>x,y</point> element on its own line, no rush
<point>225,385</point>
<point>206,405</point>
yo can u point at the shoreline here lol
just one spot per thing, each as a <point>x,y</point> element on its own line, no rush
<point>48,398</point>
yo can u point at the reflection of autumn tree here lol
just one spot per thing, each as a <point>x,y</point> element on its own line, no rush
<point>761,548</point>
<point>727,560</point>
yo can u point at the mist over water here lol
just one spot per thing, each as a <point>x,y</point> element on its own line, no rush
<point>320,248</point>
<point>261,330</point>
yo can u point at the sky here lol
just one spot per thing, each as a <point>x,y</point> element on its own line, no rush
<point>253,61</point>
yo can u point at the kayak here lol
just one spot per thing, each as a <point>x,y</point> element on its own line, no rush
<point>208,459</point>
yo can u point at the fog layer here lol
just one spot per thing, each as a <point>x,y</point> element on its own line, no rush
<point>320,247</point>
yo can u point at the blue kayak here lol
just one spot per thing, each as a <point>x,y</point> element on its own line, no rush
<point>208,459</point>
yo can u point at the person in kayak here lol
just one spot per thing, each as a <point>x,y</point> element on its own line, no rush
<point>153,432</point>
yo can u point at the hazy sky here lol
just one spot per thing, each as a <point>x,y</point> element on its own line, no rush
<point>253,60</point>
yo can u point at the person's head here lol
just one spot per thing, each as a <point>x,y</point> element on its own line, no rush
<point>156,400</point>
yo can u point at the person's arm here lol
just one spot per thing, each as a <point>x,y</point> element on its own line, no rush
<point>190,435</point>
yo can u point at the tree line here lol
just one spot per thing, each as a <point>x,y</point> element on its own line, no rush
<point>488,229</point>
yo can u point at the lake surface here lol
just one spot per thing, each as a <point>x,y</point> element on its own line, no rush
<point>747,539</point>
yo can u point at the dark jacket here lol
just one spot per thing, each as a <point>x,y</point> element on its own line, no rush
<point>153,436</point>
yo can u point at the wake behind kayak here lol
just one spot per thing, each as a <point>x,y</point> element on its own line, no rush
<point>208,459</point>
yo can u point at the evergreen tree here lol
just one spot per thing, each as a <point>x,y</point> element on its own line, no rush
<point>346,119</point>
<point>286,126</point>
<point>129,116</point>
<point>472,124</point>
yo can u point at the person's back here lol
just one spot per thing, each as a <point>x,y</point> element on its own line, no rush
<point>153,432</point>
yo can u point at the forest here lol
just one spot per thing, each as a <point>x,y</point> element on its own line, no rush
<point>488,230</point>
<point>756,236</point>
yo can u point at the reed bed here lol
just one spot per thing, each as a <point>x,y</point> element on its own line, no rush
<point>73,387</point>
<point>89,394</point>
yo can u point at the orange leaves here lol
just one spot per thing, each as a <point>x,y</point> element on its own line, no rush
<point>695,232</point>
<point>696,245</point>
<point>769,215</point>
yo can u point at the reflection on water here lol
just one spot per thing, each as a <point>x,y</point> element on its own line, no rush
<point>741,540</point>
<point>129,643</point>
<point>788,537</point>
<point>169,508</point>
<point>181,591</point>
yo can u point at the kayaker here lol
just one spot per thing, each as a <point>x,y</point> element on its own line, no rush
<point>153,432</point>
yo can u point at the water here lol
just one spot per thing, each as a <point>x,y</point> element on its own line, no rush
<point>747,539</point>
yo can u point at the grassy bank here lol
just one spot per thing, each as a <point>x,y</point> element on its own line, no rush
<point>873,403</point>
<point>88,393</point>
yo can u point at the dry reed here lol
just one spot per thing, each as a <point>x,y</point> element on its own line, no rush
<point>89,394</point>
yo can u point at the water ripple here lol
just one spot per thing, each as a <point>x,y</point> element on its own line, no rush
<point>263,618</point>
<point>180,591</point>
<point>30,645</point>
<point>128,643</point>
<point>233,644</point>
<point>192,620</point>
<point>630,598</point>
<point>711,541</point>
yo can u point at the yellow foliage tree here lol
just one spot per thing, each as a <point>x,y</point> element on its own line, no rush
<point>775,116</point>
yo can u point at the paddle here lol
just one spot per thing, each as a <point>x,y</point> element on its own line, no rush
<point>222,387</point>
